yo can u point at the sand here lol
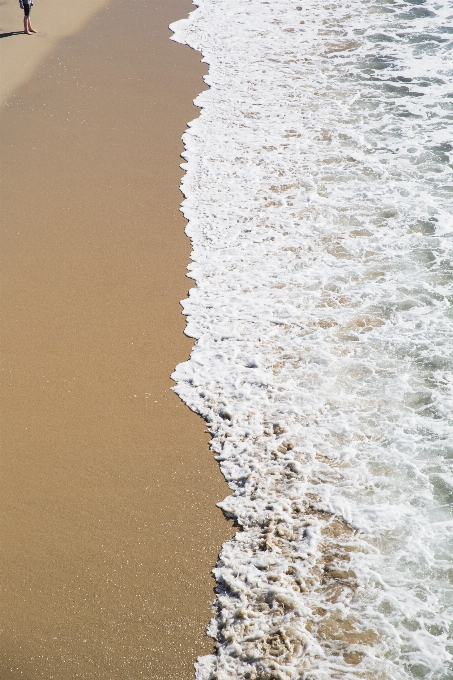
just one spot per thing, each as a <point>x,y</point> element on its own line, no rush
<point>108,491</point>
<point>20,55</point>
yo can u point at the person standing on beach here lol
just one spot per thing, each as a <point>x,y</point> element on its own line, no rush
<point>26,6</point>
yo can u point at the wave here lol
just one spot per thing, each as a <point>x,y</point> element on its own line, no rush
<point>318,192</point>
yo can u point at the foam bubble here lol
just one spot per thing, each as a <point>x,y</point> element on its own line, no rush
<point>319,197</point>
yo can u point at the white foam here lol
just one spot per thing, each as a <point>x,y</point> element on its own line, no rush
<point>319,197</point>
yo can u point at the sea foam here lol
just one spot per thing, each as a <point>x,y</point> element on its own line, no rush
<point>319,198</point>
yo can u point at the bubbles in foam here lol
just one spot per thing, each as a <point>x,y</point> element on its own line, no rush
<point>319,197</point>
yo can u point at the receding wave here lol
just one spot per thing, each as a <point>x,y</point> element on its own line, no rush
<point>319,198</point>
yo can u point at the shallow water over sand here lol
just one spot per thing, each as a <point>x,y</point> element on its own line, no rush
<point>319,197</point>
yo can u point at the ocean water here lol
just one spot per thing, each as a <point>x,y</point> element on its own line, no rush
<point>319,198</point>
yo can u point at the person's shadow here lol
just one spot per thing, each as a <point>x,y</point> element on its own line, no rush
<point>7,35</point>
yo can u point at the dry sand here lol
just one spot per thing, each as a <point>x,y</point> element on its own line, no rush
<point>109,525</point>
<point>19,54</point>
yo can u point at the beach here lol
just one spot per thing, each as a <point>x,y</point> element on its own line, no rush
<point>306,325</point>
<point>109,524</point>
<point>20,58</point>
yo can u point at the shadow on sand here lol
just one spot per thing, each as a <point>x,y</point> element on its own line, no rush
<point>7,35</point>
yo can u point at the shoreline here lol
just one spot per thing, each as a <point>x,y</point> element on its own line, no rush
<point>108,484</point>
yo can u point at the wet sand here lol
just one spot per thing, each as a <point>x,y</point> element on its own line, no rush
<point>108,489</point>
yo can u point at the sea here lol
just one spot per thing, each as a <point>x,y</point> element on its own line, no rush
<point>319,197</point>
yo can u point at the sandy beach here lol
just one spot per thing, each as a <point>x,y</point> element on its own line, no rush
<point>109,524</point>
<point>19,57</point>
